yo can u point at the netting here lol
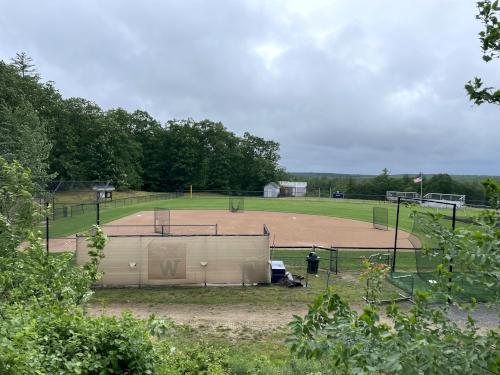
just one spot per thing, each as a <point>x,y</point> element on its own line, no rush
<point>429,255</point>
<point>427,263</point>
<point>421,235</point>
<point>145,260</point>
<point>404,281</point>
<point>236,204</point>
<point>380,218</point>
<point>162,220</point>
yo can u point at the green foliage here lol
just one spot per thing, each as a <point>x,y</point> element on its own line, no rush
<point>76,140</point>
<point>471,253</point>
<point>367,187</point>
<point>18,213</point>
<point>490,45</point>
<point>492,189</point>
<point>199,358</point>
<point>23,64</point>
<point>422,340</point>
<point>374,275</point>
<point>24,138</point>
<point>43,327</point>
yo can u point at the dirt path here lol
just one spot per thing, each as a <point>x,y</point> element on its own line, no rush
<point>263,318</point>
<point>233,317</point>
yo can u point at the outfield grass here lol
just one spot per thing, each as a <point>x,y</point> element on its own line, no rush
<point>347,260</point>
<point>348,209</point>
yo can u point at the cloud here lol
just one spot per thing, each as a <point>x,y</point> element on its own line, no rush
<point>343,86</point>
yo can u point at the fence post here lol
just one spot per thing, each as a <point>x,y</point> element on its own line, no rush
<point>330,266</point>
<point>450,267</point>
<point>393,266</point>
<point>336,261</point>
<point>97,209</point>
<point>47,227</point>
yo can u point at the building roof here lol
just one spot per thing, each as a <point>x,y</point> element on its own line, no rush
<point>106,187</point>
<point>272,184</point>
<point>293,184</point>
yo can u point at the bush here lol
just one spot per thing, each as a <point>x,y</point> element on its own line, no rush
<point>198,358</point>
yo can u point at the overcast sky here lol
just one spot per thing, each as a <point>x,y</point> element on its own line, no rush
<point>344,86</point>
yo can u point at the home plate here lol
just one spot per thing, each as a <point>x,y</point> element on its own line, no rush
<point>294,218</point>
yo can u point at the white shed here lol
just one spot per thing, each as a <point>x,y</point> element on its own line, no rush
<point>271,190</point>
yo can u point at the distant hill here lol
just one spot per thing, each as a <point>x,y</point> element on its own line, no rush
<point>462,178</point>
<point>330,175</point>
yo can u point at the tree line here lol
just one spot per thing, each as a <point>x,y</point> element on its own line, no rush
<point>75,139</point>
<point>376,187</point>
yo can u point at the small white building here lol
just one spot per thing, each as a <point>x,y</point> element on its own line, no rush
<point>293,188</point>
<point>271,190</point>
<point>104,191</point>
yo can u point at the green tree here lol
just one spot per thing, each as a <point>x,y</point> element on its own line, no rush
<point>18,213</point>
<point>24,138</point>
<point>23,64</point>
<point>258,162</point>
<point>440,183</point>
<point>492,189</point>
<point>490,45</point>
<point>150,135</point>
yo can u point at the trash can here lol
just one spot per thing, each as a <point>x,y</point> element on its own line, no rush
<point>312,263</point>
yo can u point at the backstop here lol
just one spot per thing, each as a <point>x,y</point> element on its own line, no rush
<point>162,220</point>
<point>380,218</point>
<point>236,204</point>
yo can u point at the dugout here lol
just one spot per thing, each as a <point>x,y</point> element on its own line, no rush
<point>104,191</point>
<point>292,189</point>
<point>156,260</point>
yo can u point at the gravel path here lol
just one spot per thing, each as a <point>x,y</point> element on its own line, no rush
<point>241,316</point>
